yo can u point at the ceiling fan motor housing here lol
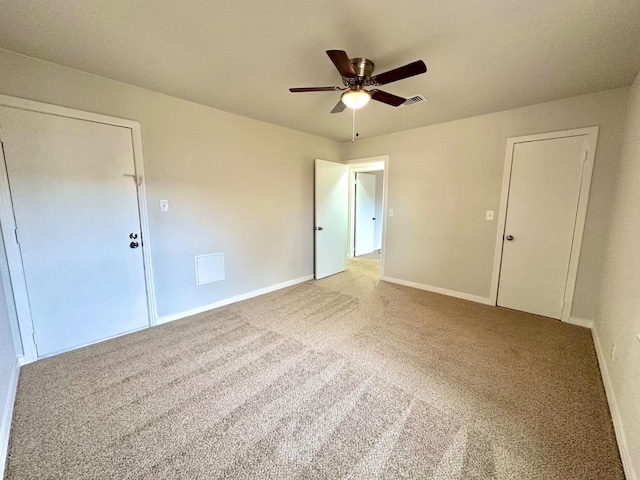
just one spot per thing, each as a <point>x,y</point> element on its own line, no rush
<point>363,68</point>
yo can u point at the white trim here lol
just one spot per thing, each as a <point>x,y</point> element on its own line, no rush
<point>143,211</point>
<point>369,164</point>
<point>7,416</point>
<point>33,106</point>
<point>625,453</point>
<point>16,271</point>
<point>581,322</point>
<point>237,298</point>
<point>441,291</point>
<point>7,221</point>
<point>574,259</point>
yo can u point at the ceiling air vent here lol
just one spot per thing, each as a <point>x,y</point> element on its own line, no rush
<point>413,99</point>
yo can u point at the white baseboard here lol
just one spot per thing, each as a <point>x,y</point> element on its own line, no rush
<point>237,298</point>
<point>442,291</point>
<point>625,454</point>
<point>581,322</point>
<point>7,415</point>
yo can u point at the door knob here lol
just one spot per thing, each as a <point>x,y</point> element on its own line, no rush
<point>373,218</point>
<point>319,228</point>
<point>509,237</point>
<point>134,244</point>
<point>133,236</point>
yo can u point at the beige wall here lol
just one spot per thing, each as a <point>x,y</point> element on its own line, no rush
<point>443,177</point>
<point>235,185</point>
<point>618,316</point>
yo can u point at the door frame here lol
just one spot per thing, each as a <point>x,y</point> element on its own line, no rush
<point>581,214</point>
<point>368,164</point>
<point>7,219</point>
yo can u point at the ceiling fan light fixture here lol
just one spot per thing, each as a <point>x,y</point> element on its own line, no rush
<point>356,98</point>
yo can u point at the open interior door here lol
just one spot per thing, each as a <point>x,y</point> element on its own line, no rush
<point>331,217</point>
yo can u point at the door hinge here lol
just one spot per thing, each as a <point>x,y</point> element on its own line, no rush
<point>15,230</point>
<point>33,335</point>
<point>584,156</point>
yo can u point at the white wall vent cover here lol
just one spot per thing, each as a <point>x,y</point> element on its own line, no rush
<point>414,99</point>
<point>209,268</point>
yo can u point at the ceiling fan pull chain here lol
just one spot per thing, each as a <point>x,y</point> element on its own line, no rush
<point>353,133</point>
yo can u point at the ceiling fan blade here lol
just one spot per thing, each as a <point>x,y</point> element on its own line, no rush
<point>315,89</point>
<point>387,98</point>
<point>409,70</point>
<point>341,60</point>
<point>340,106</point>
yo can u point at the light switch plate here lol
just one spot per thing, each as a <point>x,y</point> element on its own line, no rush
<point>391,212</point>
<point>164,205</point>
<point>489,215</point>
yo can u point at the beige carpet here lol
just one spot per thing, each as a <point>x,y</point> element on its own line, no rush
<point>375,255</point>
<point>347,377</point>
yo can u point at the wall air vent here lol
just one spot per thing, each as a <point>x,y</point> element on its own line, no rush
<point>413,100</point>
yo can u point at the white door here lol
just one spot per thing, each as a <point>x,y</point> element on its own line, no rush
<point>541,216</point>
<point>75,211</point>
<point>331,217</point>
<point>365,213</point>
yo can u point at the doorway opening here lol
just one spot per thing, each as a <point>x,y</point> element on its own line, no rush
<point>367,193</point>
<point>335,215</point>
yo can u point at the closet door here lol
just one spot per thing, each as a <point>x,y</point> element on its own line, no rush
<point>78,227</point>
<point>544,192</point>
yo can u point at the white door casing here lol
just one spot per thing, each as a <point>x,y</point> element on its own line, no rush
<point>73,266</point>
<point>545,194</point>
<point>331,217</point>
<point>365,212</point>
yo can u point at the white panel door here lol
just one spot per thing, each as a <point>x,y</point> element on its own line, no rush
<point>365,213</point>
<point>331,217</point>
<point>75,211</point>
<point>541,217</point>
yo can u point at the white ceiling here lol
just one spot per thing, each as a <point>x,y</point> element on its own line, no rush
<point>243,55</point>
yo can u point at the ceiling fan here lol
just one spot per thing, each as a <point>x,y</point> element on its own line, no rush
<point>356,74</point>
